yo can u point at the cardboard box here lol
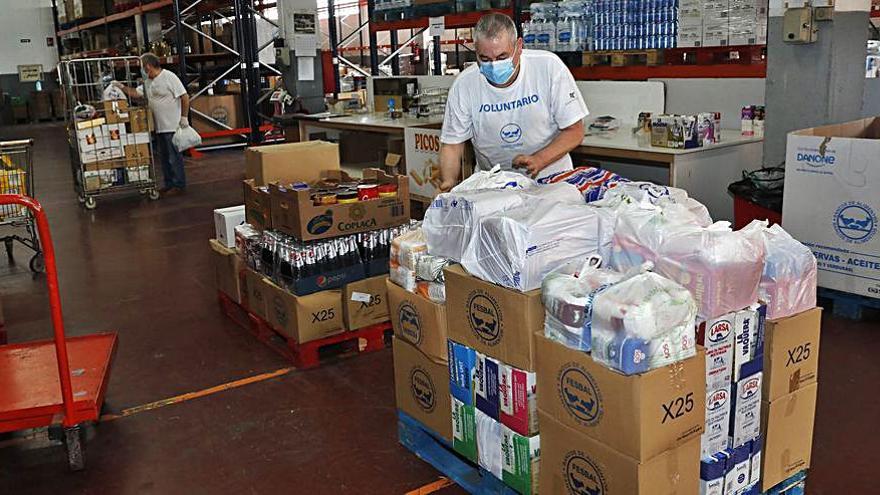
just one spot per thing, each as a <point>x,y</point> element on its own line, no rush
<point>290,162</point>
<point>520,457</point>
<point>464,429</point>
<point>116,111</point>
<point>791,353</point>
<point>137,155</point>
<point>831,203</point>
<point>304,318</point>
<point>227,264</point>
<point>419,321</point>
<point>87,9</point>
<point>137,138</point>
<point>225,221</point>
<point>257,205</point>
<point>493,320</point>
<point>574,463</point>
<point>294,211</point>
<point>422,388</point>
<point>788,435</point>
<point>140,120</point>
<point>517,402</point>
<point>638,415</point>
<point>88,124</point>
<point>486,385</point>
<point>225,109</point>
<point>365,303</point>
<point>258,293</point>
<point>462,368</point>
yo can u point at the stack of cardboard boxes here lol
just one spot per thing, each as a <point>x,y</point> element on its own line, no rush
<point>331,308</point>
<point>721,23</point>
<point>115,149</point>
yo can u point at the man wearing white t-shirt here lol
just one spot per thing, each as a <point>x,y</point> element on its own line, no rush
<point>520,108</point>
<point>169,104</point>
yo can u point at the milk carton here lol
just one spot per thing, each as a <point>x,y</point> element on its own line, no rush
<point>715,435</point>
<point>713,471</point>
<point>462,361</point>
<point>745,337</point>
<point>517,400</point>
<point>745,421</point>
<point>737,477</point>
<point>486,385</point>
<point>717,336</point>
<point>464,430</point>
<point>755,468</point>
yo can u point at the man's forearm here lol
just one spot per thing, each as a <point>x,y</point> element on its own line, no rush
<point>567,140</point>
<point>184,105</point>
<point>450,162</point>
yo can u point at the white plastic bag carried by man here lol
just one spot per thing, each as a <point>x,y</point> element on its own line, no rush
<point>186,138</point>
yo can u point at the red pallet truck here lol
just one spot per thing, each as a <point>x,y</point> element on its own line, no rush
<point>52,383</point>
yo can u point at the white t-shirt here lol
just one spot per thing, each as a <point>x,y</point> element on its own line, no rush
<point>522,118</point>
<point>164,94</point>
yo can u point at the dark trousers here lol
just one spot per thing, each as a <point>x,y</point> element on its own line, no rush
<point>172,161</point>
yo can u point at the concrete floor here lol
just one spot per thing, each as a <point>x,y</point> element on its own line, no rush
<point>143,269</point>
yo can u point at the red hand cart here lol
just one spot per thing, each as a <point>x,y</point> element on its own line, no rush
<point>58,382</point>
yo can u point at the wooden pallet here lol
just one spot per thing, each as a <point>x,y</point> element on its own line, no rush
<point>308,354</point>
<point>624,58</point>
<point>715,55</point>
<point>846,305</point>
<point>433,449</point>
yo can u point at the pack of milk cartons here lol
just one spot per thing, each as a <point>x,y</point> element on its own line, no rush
<point>716,27</point>
<point>690,24</point>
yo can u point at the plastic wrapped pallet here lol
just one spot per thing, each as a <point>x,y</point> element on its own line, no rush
<point>788,283</point>
<point>643,322</point>
<point>517,248</point>
<point>720,267</point>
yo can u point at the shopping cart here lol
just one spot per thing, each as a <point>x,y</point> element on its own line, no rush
<point>58,383</point>
<point>17,177</point>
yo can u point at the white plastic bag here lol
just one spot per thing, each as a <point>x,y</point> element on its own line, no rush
<point>516,248</point>
<point>185,138</point>
<point>673,199</point>
<point>720,267</point>
<point>112,93</point>
<point>788,283</point>
<point>494,179</point>
<point>643,322</point>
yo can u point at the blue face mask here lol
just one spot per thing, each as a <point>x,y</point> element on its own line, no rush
<point>498,72</point>
<point>144,74</point>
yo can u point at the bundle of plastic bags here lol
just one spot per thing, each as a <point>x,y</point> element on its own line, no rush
<point>643,322</point>
<point>646,194</point>
<point>568,294</point>
<point>720,267</point>
<point>517,248</point>
<point>788,282</point>
<point>494,179</point>
<point>591,182</point>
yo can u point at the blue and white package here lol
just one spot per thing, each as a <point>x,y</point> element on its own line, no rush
<point>462,361</point>
<point>486,385</point>
<point>748,338</point>
<point>737,478</point>
<point>715,435</point>
<point>713,472</point>
<point>745,422</point>
<point>755,470</point>
<point>591,182</point>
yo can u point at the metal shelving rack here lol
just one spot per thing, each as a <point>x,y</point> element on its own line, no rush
<point>193,15</point>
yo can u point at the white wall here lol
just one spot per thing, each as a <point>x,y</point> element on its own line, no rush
<point>26,19</point>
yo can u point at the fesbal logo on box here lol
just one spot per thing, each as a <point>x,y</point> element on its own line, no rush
<point>855,222</point>
<point>410,322</point>
<point>579,394</point>
<point>422,388</point>
<point>484,316</point>
<point>582,475</point>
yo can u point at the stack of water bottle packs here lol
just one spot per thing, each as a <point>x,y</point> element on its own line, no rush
<point>603,295</point>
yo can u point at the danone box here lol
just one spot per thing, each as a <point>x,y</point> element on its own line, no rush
<point>365,302</point>
<point>576,464</point>
<point>791,353</point>
<point>520,456</point>
<point>294,211</point>
<point>638,415</point>
<point>493,320</point>
<point>419,321</point>
<point>831,203</point>
<point>422,388</point>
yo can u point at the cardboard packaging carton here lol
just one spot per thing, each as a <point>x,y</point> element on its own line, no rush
<point>419,321</point>
<point>258,293</point>
<point>745,422</point>
<point>225,221</point>
<point>116,111</point>
<point>489,444</point>
<point>520,456</point>
<point>640,416</point>
<point>486,385</point>
<point>788,435</point>
<point>464,429</point>
<point>748,338</point>
<point>572,462</point>
<point>290,162</point>
<point>422,388</point>
<point>716,335</point>
<point>831,203</point>
<point>140,120</point>
<point>791,353</point>
<point>137,155</point>
<point>227,264</point>
<point>257,205</point>
<point>365,302</point>
<point>462,367</point>
<point>294,211</point>
<point>304,318</point>
<point>493,320</point>
<point>517,399</point>
<point>225,109</point>
<point>715,435</point>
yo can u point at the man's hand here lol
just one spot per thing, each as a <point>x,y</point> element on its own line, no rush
<point>447,185</point>
<point>529,162</point>
<point>184,122</point>
<point>117,84</point>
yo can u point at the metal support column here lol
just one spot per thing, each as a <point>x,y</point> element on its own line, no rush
<point>334,47</point>
<point>374,48</point>
<point>395,62</point>
<point>517,15</point>
<point>437,64</point>
<point>250,73</point>
<point>181,52</point>
<point>58,47</point>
